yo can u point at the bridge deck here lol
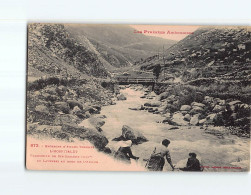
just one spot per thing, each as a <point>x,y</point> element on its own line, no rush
<point>138,80</point>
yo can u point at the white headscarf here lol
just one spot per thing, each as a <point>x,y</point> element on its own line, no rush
<point>124,144</point>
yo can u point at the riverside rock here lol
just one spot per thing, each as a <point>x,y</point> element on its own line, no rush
<point>66,118</point>
<point>194,119</point>
<point>218,108</point>
<point>168,115</point>
<point>163,95</point>
<point>42,109</point>
<point>135,136</point>
<point>234,102</point>
<point>63,107</point>
<point>202,121</point>
<point>185,108</point>
<point>169,121</point>
<point>187,117</point>
<point>96,121</point>
<point>179,119</point>
<point>210,118</point>
<point>96,138</point>
<point>218,120</point>
<point>137,108</point>
<point>148,104</point>
<point>76,110</point>
<point>208,99</point>
<point>196,110</point>
<point>121,97</point>
<point>196,104</point>
<point>162,109</point>
<point>73,103</point>
<point>153,104</point>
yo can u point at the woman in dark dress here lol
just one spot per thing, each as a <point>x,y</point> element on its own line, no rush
<point>193,164</point>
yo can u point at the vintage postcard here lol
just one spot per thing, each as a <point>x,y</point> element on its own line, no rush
<point>106,97</point>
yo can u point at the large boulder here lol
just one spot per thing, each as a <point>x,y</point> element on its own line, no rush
<point>76,110</point>
<point>178,118</point>
<point>61,90</point>
<point>210,119</point>
<point>155,103</point>
<point>137,108</point>
<point>217,101</point>
<point>94,122</point>
<point>187,117</point>
<point>169,121</point>
<point>135,136</point>
<point>148,104</point>
<point>185,108</point>
<point>66,119</point>
<point>152,94</point>
<point>202,121</point>
<point>218,119</point>
<point>50,90</point>
<point>222,102</point>
<point>234,102</point>
<point>121,97</point>
<point>196,110</point>
<point>162,109</point>
<point>152,109</point>
<point>52,98</point>
<point>218,108</point>
<point>163,95</point>
<point>73,103</point>
<point>194,119</point>
<point>196,104</point>
<point>63,107</point>
<point>208,99</point>
<point>42,109</point>
<point>93,136</point>
<point>91,109</point>
<point>168,115</point>
<point>41,115</point>
<point>98,108</point>
<point>171,98</point>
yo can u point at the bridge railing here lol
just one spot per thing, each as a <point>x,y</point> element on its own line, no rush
<point>135,80</point>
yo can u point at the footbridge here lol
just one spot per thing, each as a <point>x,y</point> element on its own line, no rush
<point>135,80</point>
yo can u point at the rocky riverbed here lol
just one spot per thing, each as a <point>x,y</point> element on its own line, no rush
<point>215,146</point>
<point>148,118</point>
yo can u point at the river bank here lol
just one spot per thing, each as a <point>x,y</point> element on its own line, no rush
<point>230,151</point>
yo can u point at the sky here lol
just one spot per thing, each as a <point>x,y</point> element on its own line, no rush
<point>165,31</point>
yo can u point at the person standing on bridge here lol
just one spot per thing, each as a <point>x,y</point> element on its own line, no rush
<point>156,71</point>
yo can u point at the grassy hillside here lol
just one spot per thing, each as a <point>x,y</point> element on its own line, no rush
<point>209,52</point>
<point>52,50</point>
<point>213,63</point>
<point>64,81</point>
<point>117,43</point>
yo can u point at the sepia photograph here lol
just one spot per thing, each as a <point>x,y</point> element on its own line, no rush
<point>120,97</point>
